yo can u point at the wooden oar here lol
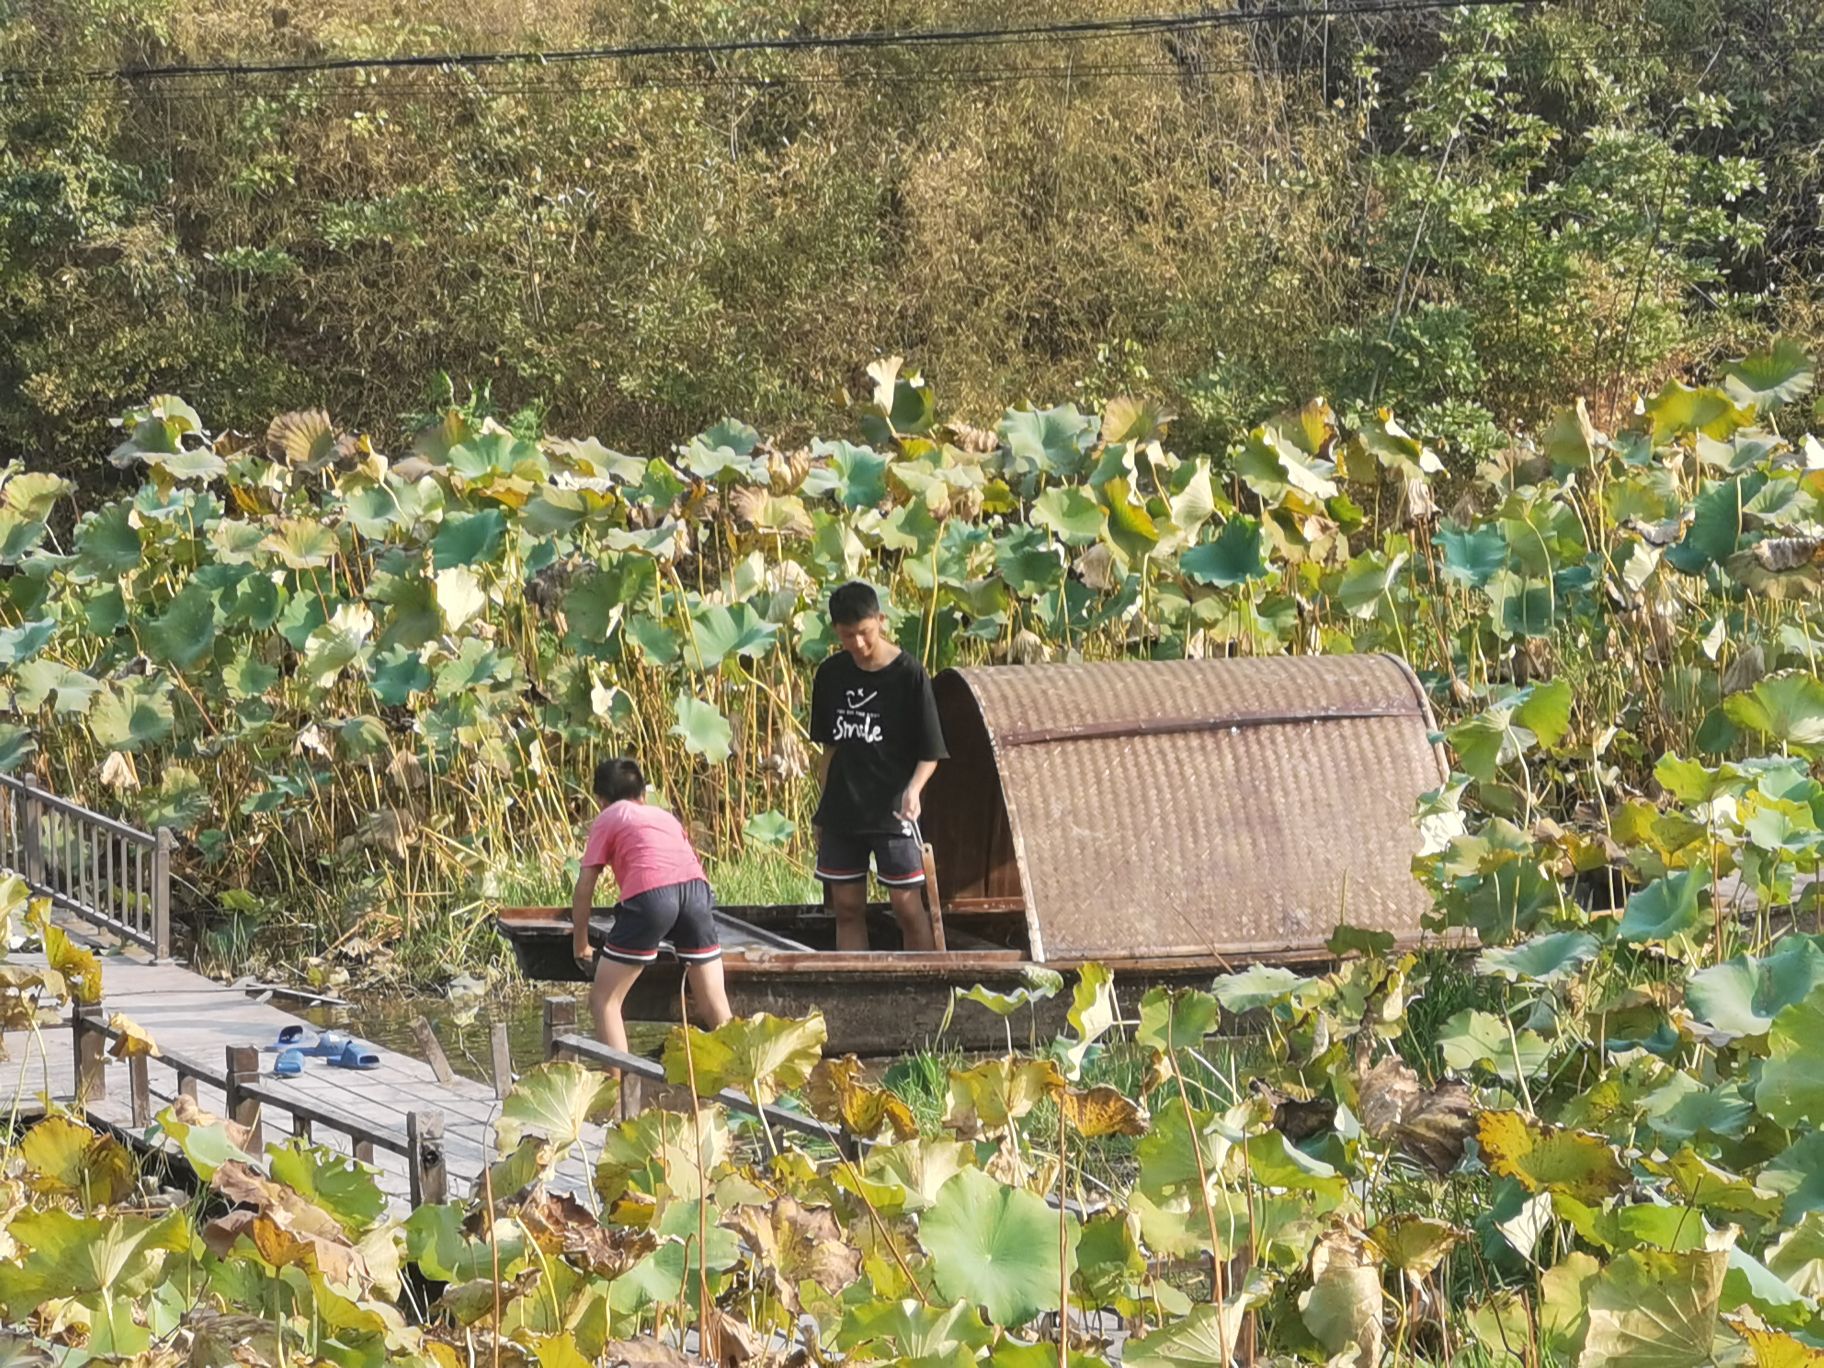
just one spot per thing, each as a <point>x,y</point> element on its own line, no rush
<point>934,902</point>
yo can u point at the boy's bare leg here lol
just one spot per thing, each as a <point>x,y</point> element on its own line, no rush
<point>612,983</point>
<point>914,921</point>
<point>850,903</point>
<point>708,992</point>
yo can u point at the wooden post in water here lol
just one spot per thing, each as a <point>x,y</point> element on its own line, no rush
<point>501,1055</point>
<point>243,1067</point>
<point>86,1039</point>
<point>560,1016</point>
<point>433,1051</point>
<point>430,1179</point>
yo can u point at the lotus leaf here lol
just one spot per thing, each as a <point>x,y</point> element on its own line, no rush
<point>907,1176</point>
<point>703,730</point>
<point>994,1094</point>
<point>1070,513</point>
<point>1175,1020</point>
<point>1052,442</point>
<point>1768,380</point>
<point>118,1256</point>
<point>725,451</point>
<point>207,1141</point>
<point>1028,561</point>
<point>1092,1013</point>
<point>765,1055</point>
<point>1233,557</point>
<point>344,1188</point>
<point>468,539</point>
<point>1263,985</point>
<point>913,1331</point>
<point>108,543</point>
<point>1649,1309</point>
<point>719,633</point>
<point>1776,1349</point>
<point>436,1242</point>
<point>1101,1111</point>
<point>997,1247</point>
<point>1717,519</point>
<point>1206,1338</point>
<point>65,1157</point>
<point>795,1244</point>
<point>1547,1159</point>
<point>1543,959</point>
<point>1666,908</point>
<point>1343,1307</point>
<point>836,1093</point>
<point>1473,1039</point>
<point>771,830</point>
<point>556,1100</point>
<point>21,643</point>
<point>1786,708</point>
<point>1740,997</point>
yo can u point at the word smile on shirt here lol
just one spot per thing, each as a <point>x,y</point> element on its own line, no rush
<point>852,723</point>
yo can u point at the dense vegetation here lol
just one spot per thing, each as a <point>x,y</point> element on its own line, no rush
<point>1470,215</point>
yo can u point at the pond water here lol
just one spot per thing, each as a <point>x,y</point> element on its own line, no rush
<point>464,1028</point>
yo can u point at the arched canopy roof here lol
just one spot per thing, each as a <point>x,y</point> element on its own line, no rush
<point>1236,807</point>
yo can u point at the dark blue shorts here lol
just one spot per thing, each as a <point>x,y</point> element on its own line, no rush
<point>842,857</point>
<point>683,913</point>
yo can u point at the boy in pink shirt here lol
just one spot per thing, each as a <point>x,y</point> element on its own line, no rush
<point>663,893</point>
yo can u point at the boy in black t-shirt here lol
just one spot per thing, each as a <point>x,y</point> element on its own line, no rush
<point>873,712</point>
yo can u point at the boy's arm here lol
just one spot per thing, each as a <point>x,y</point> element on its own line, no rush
<point>912,803</point>
<point>582,903</point>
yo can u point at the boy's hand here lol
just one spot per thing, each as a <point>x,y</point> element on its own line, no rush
<point>910,806</point>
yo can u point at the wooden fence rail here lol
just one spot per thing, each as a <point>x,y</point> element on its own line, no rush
<point>106,872</point>
<point>246,1098</point>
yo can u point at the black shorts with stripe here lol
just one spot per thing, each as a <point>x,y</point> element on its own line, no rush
<point>842,857</point>
<point>683,913</point>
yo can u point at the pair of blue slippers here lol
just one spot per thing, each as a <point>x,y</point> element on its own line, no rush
<point>338,1047</point>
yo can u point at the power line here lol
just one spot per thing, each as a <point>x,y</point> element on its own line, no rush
<point>1078,30</point>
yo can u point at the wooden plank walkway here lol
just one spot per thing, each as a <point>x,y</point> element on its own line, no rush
<point>196,1020</point>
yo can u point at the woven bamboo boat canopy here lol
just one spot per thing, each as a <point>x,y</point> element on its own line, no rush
<point>1234,808</point>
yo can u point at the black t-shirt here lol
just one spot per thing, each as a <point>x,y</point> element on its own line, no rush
<point>881,723</point>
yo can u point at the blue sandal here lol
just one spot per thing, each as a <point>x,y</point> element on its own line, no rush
<point>329,1045</point>
<point>356,1054</point>
<point>289,1064</point>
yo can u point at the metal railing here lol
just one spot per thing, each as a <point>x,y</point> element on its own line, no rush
<point>106,872</point>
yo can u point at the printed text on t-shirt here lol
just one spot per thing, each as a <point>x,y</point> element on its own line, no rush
<point>853,721</point>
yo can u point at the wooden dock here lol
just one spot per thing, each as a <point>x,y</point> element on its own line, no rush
<point>389,1116</point>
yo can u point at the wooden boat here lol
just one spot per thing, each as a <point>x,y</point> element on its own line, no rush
<point>1173,820</point>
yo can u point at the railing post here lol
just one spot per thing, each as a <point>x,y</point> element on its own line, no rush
<point>27,815</point>
<point>86,1039</point>
<point>139,1085</point>
<point>243,1067</point>
<point>430,1179</point>
<point>161,894</point>
<point>560,1016</point>
<point>502,1056</point>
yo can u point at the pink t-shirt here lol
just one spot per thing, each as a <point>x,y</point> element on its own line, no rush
<point>645,846</point>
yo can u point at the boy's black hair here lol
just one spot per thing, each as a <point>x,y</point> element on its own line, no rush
<point>619,779</point>
<point>854,602</point>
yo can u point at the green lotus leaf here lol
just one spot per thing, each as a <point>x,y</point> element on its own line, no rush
<point>468,539</point>
<point>1788,708</point>
<point>1750,1284</point>
<point>336,645</point>
<point>1791,1090</point>
<point>860,472</point>
<point>496,452</point>
<point>555,1100</point>
<point>1175,1020</point>
<point>1650,1309</point>
<point>1678,410</point>
<point>913,1332</point>
<point>1670,906</point>
<point>1472,556</point>
<point>21,643</point>
<point>302,544</point>
<point>332,1182</point>
<point>17,745</point>
<point>764,1055</point>
<point>590,458</point>
<point>1717,521</point>
<point>207,1146</point>
<point>362,738</point>
<point>119,1255</point>
<point>1054,442</point>
<point>719,632</point>
<point>19,537</point>
<point>1233,557</point>
<point>703,730</point>
<point>1740,997</point>
<point>770,830</point>
<point>374,510</point>
<point>1397,450</point>
<point>1093,1013</point>
<point>1797,1256</point>
<point>658,643</point>
<point>185,633</point>
<point>131,714</point>
<point>907,1177</point>
<point>1001,1004</point>
<point>416,617</point>
<point>180,801</point>
<point>996,1247</point>
<point>1028,560</point>
<point>475,665</point>
<point>1366,581</point>
<point>1206,1338</point>
<point>436,1242</point>
<point>398,673</point>
<point>725,451</point>
<point>39,681</point>
<point>1767,380</point>
<point>1544,959</point>
<point>1473,1039</point>
<point>1692,1110</point>
<point>912,529</point>
<point>32,494</point>
<point>1262,985</point>
<point>108,544</point>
